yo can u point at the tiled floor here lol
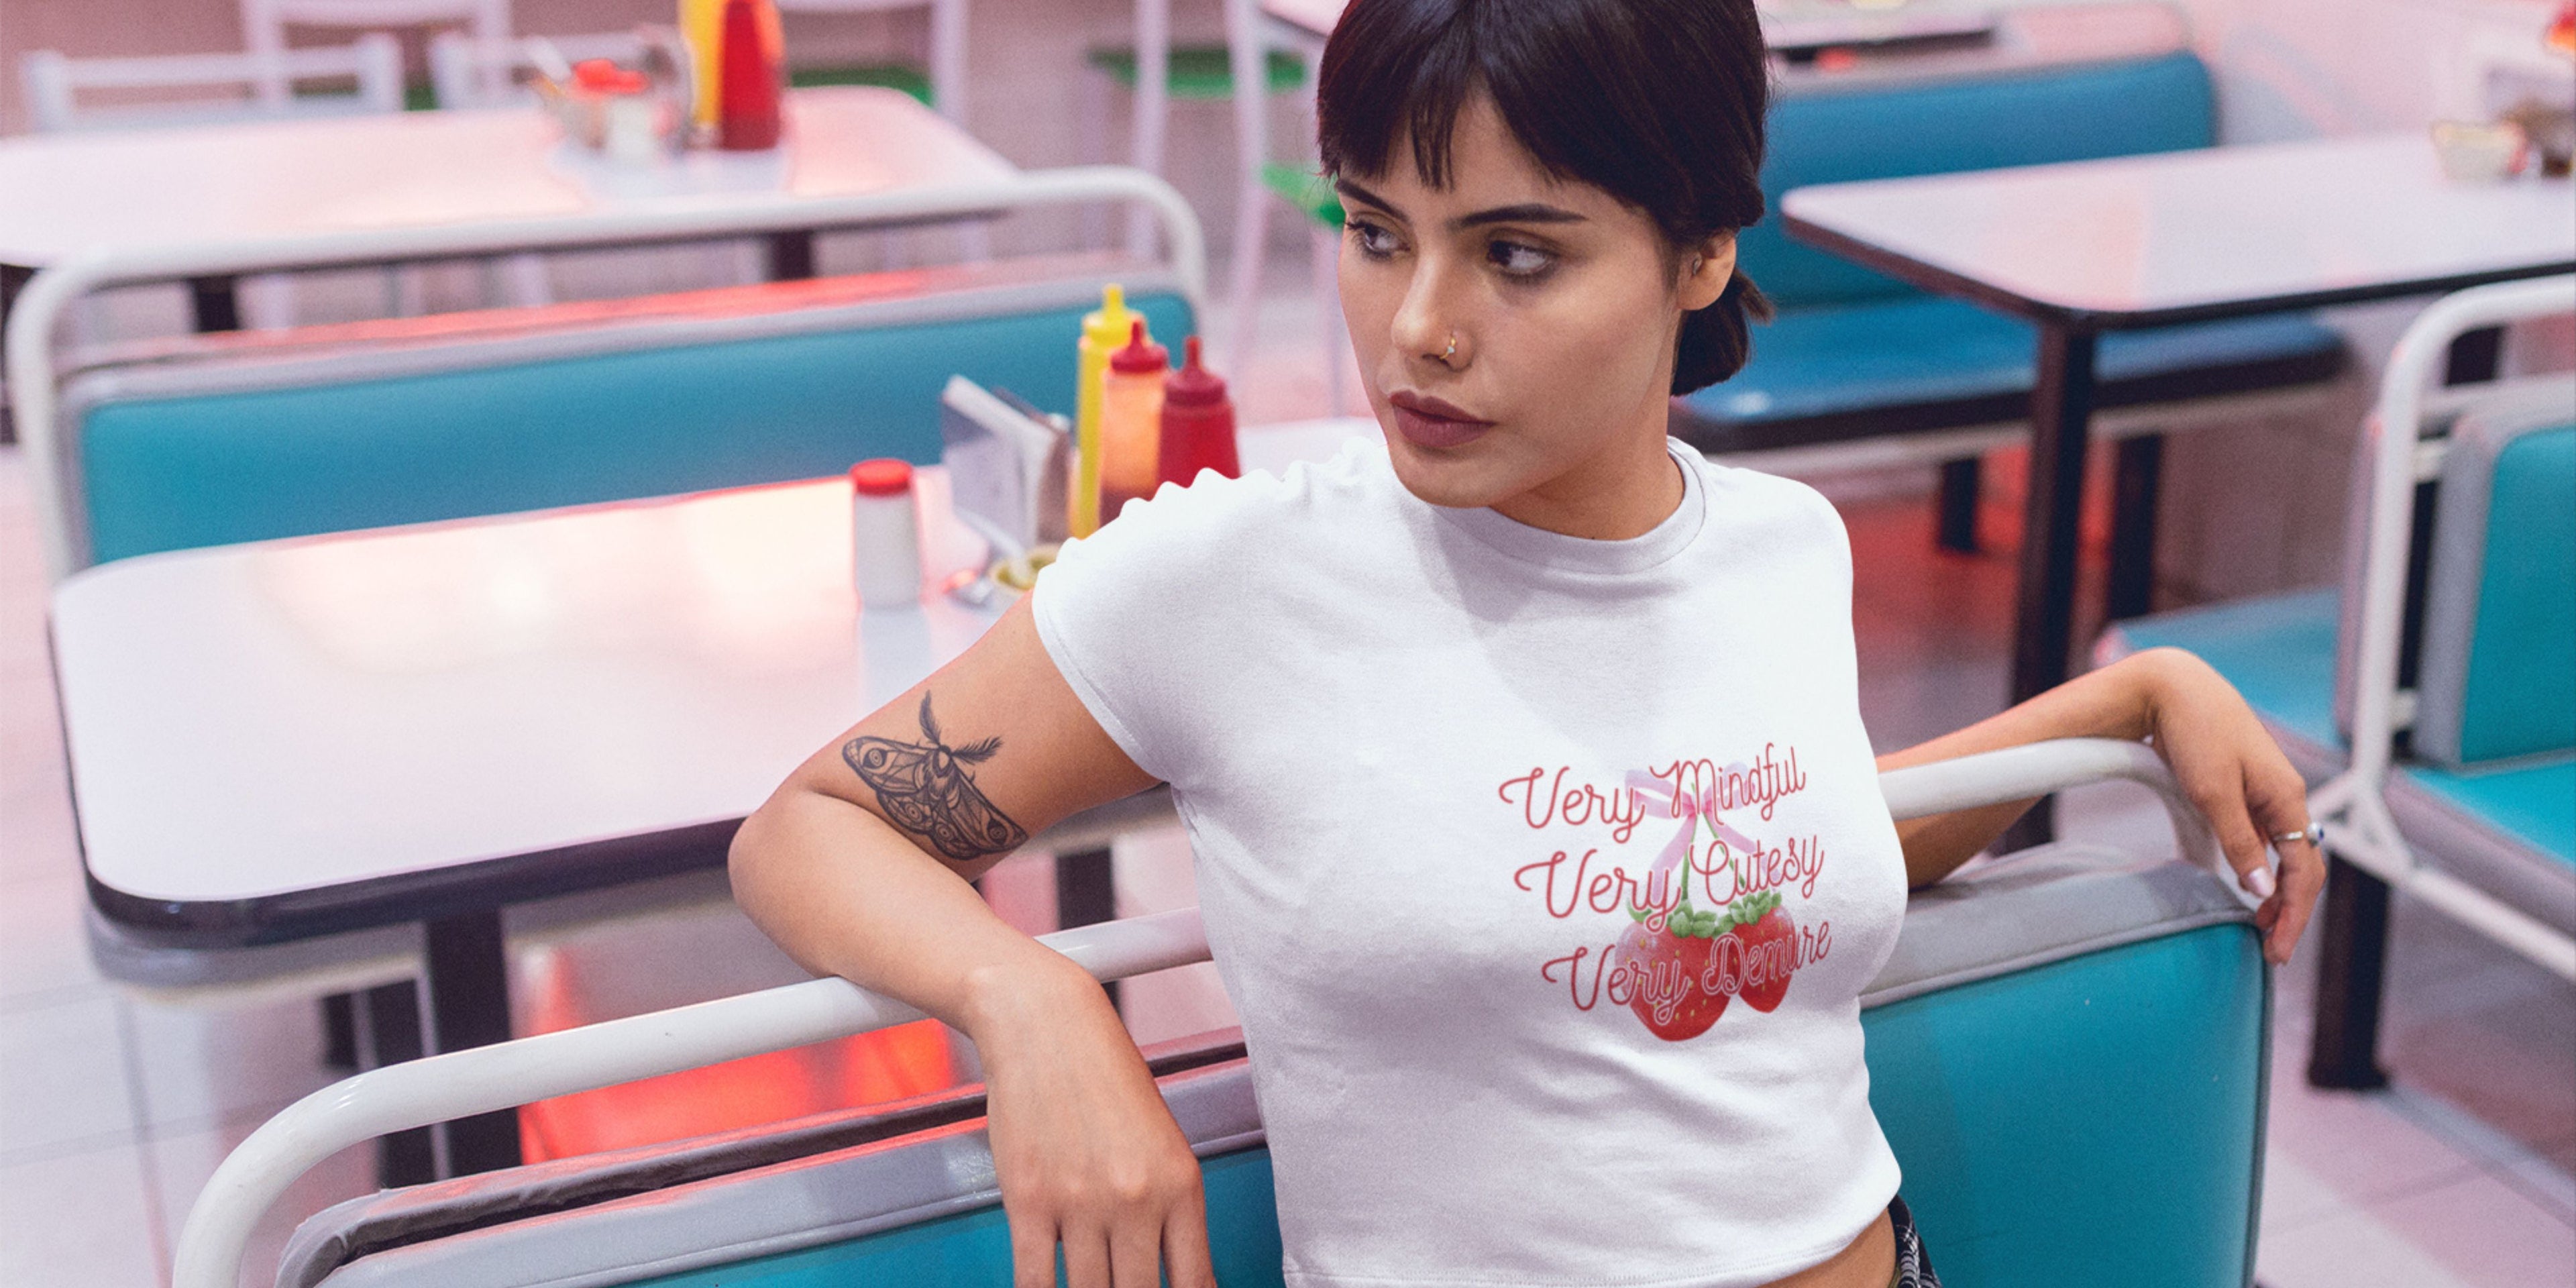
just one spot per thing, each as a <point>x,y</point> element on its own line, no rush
<point>115,1107</point>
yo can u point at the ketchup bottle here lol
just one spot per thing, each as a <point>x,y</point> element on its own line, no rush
<point>753,45</point>
<point>1131,414</point>
<point>1198,423</point>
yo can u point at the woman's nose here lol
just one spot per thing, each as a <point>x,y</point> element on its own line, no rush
<point>1427,318</point>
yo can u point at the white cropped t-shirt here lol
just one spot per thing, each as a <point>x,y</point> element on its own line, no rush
<point>1545,873</point>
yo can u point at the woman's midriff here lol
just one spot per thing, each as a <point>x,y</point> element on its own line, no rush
<point>1869,1261</point>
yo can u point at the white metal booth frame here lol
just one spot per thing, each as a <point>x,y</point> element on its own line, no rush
<point>484,1079</point>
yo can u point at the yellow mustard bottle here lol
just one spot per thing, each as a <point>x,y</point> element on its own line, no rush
<point>702,30</point>
<point>1103,333</point>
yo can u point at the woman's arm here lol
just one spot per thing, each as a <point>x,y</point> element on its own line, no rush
<point>859,867</point>
<point>2225,762</point>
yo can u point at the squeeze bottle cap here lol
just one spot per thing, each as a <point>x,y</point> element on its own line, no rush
<point>1107,327</point>
<point>1193,385</point>
<point>1140,356</point>
<point>884,476</point>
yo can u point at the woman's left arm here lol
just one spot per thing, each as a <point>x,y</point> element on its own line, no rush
<point>2219,753</point>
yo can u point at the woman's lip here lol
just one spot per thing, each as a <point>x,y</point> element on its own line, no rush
<point>1426,405</point>
<point>1429,422</point>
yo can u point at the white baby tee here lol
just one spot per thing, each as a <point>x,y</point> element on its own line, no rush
<point>1544,872</point>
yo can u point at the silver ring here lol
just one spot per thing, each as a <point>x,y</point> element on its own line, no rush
<point>2313,834</point>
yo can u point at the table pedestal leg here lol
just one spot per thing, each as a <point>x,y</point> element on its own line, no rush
<point>791,256</point>
<point>1086,893</point>
<point>2133,526</point>
<point>13,279</point>
<point>1958,505</point>
<point>2343,1052</point>
<point>391,1024</point>
<point>469,1006</point>
<point>215,304</point>
<point>2061,415</point>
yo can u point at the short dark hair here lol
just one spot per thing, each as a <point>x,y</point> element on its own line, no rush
<point>1657,102</point>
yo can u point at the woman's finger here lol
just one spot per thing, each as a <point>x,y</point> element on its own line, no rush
<point>1032,1250</point>
<point>2279,802</point>
<point>1136,1249</point>
<point>2223,804</point>
<point>2303,878</point>
<point>1186,1259</point>
<point>1086,1258</point>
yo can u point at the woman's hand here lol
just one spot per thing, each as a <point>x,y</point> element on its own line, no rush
<point>1086,1152</point>
<point>2237,777</point>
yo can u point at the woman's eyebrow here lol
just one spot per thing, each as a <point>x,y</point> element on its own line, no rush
<point>1362,195</point>
<point>1526,213</point>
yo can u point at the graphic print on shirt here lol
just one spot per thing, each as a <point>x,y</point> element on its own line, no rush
<point>1706,926</point>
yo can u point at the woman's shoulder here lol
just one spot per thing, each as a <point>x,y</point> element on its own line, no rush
<point>1753,497</point>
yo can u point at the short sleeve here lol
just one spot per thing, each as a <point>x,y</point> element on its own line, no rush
<point>1146,618</point>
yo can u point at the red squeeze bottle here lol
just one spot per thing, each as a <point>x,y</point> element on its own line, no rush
<point>747,84</point>
<point>1198,423</point>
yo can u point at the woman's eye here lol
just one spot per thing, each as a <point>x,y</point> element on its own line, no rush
<point>1516,260</point>
<point>1374,242</point>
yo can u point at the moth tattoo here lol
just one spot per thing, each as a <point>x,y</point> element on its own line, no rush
<point>925,788</point>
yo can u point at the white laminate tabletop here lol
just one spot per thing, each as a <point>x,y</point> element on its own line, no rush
<point>220,183</point>
<point>291,716</point>
<point>2132,238</point>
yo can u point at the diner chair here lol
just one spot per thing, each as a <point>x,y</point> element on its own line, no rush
<point>2067,1051</point>
<point>53,85</point>
<point>265,23</point>
<point>1859,369</point>
<point>2429,695</point>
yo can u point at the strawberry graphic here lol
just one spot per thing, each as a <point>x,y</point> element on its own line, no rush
<point>1665,969</point>
<point>1770,942</point>
<point>1671,985</point>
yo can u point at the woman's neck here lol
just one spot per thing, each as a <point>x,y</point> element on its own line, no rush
<point>1617,494</point>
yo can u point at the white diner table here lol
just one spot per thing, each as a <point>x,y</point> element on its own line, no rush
<point>259,181</point>
<point>299,738</point>
<point>2135,242</point>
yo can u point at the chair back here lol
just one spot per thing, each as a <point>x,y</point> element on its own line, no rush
<point>2499,629</point>
<point>408,421</point>
<point>53,85</point>
<point>2021,116</point>
<point>265,23</point>
<point>2473,587</point>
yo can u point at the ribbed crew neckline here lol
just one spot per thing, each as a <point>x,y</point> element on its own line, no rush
<point>1556,550</point>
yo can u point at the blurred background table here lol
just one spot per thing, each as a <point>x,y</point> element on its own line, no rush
<point>261,180</point>
<point>293,739</point>
<point>2137,242</point>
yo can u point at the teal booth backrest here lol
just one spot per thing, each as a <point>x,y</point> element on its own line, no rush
<point>2072,112</point>
<point>256,444</point>
<point>2067,1051</point>
<point>2499,644</point>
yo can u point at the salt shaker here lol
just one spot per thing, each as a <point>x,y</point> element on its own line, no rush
<point>886,534</point>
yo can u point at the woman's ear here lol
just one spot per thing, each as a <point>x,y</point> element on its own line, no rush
<point>1706,269</point>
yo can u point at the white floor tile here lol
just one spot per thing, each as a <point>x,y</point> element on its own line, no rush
<point>200,1064</point>
<point>182,1162</point>
<point>2486,1234</point>
<point>44,950</point>
<point>62,1078</point>
<point>2348,1249</point>
<point>78,1221</point>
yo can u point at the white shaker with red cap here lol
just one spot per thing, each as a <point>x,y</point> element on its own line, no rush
<point>885,534</point>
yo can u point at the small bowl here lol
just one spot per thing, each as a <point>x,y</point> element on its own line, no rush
<point>2474,152</point>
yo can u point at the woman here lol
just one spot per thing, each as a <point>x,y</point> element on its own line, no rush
<point>1539,840</point>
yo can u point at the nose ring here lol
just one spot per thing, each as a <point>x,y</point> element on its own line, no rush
<point>1452,350</point>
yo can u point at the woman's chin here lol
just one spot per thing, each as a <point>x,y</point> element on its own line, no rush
<point>1458,480</point>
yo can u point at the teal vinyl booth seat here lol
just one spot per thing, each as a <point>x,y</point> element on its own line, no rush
<point>1856,354</point>
<point>222,439</point>
<point>2067,1051</point>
